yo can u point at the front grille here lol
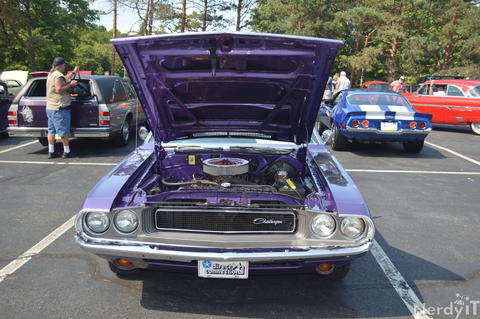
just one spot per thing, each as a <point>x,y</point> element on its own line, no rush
<point>225,220</point>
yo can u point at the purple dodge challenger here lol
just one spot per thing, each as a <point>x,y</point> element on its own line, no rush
<point>228,184</point>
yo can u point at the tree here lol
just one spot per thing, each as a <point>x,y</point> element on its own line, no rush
<point>42,28</point>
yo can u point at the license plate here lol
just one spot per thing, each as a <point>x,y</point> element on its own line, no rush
<point>223,269</point>
<point>388,126</point>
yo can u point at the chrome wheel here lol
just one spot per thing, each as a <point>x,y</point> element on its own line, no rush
<point>125,131</point>
<point>475,127</point>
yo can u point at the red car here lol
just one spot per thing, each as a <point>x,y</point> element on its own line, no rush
<point>376,85</point>
<point>450,101</point>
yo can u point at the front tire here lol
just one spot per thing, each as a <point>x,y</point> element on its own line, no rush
<point>339,142</point>
<point>43,141</point>
<point>413,147</point>
<point>475,127</point>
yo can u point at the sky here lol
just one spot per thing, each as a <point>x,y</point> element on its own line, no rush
<point>127,19</point>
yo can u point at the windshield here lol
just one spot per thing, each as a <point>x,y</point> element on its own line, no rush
<point>380,87</point>
<point>376,99</point>
<point>475,92</point>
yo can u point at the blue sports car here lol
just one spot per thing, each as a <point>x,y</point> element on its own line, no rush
<point>373,116</point>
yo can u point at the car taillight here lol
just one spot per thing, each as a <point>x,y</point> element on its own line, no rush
<point>104,118</point>
<point>413,124</point>
<point>355,123</point>
<point>422,125</point>
<point>365,123</point>
<point>12,117</point>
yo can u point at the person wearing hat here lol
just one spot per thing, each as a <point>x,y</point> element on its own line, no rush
<point>398,86</point>
<point>58,105</point>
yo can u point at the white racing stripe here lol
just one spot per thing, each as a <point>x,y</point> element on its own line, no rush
<point>59,163</point>
<point>35,250</point>
<point>398,108</point>
<point>18,146</point>
<point>409,172</point>
<point>471,160</point>
<point>399,283</point>
<point>370,108</point>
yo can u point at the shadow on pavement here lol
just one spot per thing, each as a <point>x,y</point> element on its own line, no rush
<point>365,292</point>
<point>392,150</point>
<point>85,148</point>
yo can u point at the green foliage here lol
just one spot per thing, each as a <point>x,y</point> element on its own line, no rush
<point>385,39</point>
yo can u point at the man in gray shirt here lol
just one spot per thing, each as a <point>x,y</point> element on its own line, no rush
<point>58,106</point>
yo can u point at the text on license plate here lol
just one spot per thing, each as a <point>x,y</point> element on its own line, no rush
<point>388,126</point>
<point>223,269</point>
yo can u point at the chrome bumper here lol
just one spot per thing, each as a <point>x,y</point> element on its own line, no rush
<point>100,132</point>
<point>157,252</point>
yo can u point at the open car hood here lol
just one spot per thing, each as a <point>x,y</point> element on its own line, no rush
<point>198,84</point>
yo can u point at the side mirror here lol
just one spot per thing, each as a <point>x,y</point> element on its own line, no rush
<point>327,137</point>
<point>143,133</point>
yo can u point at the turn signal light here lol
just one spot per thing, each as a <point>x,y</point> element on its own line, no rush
<point>365,123</point>
<point>422,125</point>
<point>413,124</point>
<point>12,113</point>
<point>124,262</point>
<point>355,123</point>
<point>104,113</point>
<point>104,122</point>
<point>324,268</point>
<point>12,122</point>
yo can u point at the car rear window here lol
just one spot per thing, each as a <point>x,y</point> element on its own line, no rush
<point>475,92</point>
<point>377,99</point>
<point>380,87</point>
<point>39,89</point>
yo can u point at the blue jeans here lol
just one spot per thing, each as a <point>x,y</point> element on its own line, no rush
<point>59,122</point>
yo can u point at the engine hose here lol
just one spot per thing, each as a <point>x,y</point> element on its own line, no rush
<point>196,181</point>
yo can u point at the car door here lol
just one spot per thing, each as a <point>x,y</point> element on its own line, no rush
<point>425,103</point>
<point>4,105</point>
<point>459,107</point>
<point>326,110</point>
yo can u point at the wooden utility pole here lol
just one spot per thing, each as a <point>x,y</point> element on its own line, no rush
<point>184,16</point>
<point>239,14</point>
<point>114,34</point>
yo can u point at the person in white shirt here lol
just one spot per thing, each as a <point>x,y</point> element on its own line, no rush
<point>343,82</point>
<point>440,90</point>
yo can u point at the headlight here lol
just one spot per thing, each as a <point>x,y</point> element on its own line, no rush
<point>352,227</point>
<point>126,221</point>
<point>97,222</point>
<point>323,225</point>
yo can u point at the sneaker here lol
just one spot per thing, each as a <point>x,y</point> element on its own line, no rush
<point>52,155</point>
<point>67,155</point>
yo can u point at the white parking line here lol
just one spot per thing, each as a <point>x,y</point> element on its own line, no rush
<point>59,163</point>
<point>409,172</point>
<point>35,250</point>
<point>471,160</point>
<point>18,146</point>
<point>406,293</point>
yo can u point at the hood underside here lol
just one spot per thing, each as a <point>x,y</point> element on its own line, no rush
<point>192,84</point>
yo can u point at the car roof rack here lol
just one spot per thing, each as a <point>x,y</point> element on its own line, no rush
<point>443,77</point>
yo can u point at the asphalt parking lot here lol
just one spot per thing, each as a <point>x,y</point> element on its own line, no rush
<point>425,207</point>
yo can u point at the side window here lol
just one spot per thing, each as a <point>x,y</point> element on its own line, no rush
<point>424,90</point>
<point>12,84</point>
<point>453,90</point>
<point>38,88</point>
<point>337,99</point>
<point>129,89</point>
<point>119,93</point>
